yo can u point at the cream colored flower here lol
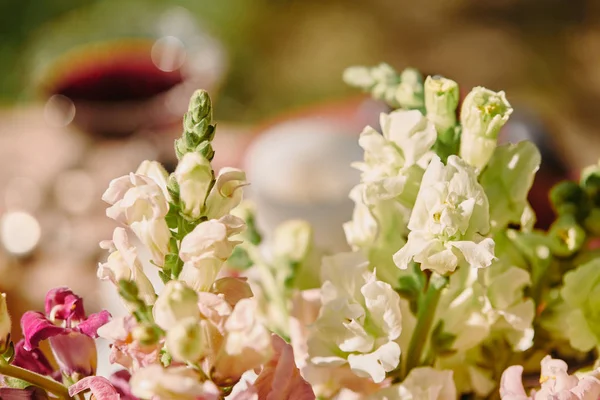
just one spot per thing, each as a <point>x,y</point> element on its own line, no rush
<point>194,175</point>
<point>123,263</point>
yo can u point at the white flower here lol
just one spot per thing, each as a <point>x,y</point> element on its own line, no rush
<point>482,115</point>
<point>155,235</point>
<point>450,216</point>
<point>211,239</point>
<point>361,232</point>
<point>422,383</point>
<point>194,175</point>
<point>155,171</point>
<point>123,263</point>
<point>392,161</point>
<point>206,248</point>
<point>359,320</point>
<point>226,194</point>
<point>138,201</point>
<point>134,198</point>
<point>175,383</point>
<point>176,302</point>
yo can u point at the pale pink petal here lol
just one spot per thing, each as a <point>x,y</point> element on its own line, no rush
<point>511,385</point>
<point>100,387</point>
<point>280,379</point>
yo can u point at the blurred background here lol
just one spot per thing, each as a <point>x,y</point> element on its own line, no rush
<point>90,88</point>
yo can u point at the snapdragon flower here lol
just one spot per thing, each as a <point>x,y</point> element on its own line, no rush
<point>359,321</point>
<point>139,202</point>
<point>450,216</point>
<point>70,332</point>
<point>194,175</point>
<point>206,248</point>
<point>421,383</point>
<point>172,383</point>
<point>125,349</point>
<point>483,113</point>
<point>555,380</point>
<point>123,264</point>
<point>226,194</point>
<point>392,161</point>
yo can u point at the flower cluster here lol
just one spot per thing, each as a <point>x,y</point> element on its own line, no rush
<point>445,291</point>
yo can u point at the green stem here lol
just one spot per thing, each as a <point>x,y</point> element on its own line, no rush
<point>427,307</point>
<point>43,382</point>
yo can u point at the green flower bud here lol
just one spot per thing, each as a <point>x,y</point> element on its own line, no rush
<point>567,197</point>
<point>566,236</point>
<point>194,176</point>
<point>5,325</point>
<point>176,302</point>
<point>199,109</point>
<point>146,335</point>
<point>197,125</point>
<point>590,182</point>
<point>483,114</point>
<point>592,222</point>
<point>441,100</point>
<point>186,341</point>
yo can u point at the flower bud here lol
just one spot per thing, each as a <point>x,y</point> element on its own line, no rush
<point>441,100</point>
<point>194,175</point>
<point>145,334</point>
<point>567,197</point>
<point>482,115</point>
<point>5,324</point>
<point>199,108</point>
<point>176,302</point>
<point>592,222</point>
<point>409,93</point>
<point>197,125</point>
<point>566,236</point>
<point>186,341</point>
<point>590,182</point>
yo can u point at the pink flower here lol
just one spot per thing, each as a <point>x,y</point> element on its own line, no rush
<point>125,350</point>
<point>34,360</point>
<point>31,393</point>
<point>280,379</point>
<point>70,332</point>
<point>555,380</point>
<point>100,387</point>
<point>120,380</point>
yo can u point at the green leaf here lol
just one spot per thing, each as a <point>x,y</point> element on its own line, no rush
<point>172,216</point>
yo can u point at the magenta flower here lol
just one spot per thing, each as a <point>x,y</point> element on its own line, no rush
<point>34,360</point>
<point>71,334</point>
<point>31,393</point>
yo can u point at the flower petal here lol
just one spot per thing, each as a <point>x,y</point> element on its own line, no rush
<point>511,386</point>
<point>31,393</point>
<point>34,360</point>
<point>280,379</point>
<point>36,328</point>
<point>93,322</point>
<point>75,352</point>
<point>100,387</point>
<point>62,303</point>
